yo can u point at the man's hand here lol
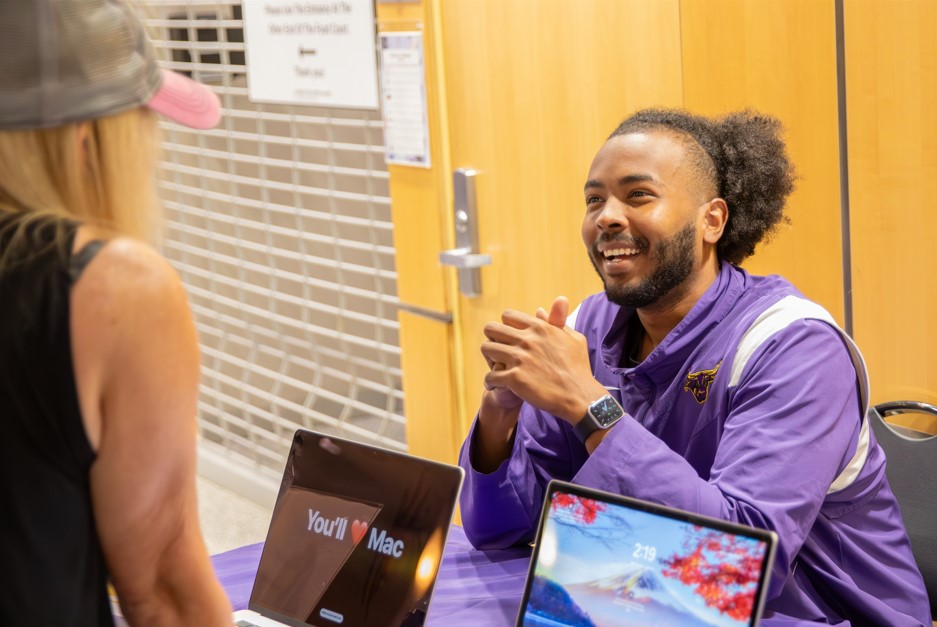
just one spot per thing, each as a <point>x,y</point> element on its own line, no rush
<point>544,362</point>
<point>497,418</point>
<point>503,398</point>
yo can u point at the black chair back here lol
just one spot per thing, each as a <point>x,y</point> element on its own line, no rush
<point>911,468</point>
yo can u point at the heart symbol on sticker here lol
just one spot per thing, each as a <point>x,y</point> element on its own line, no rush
<point>358,529</point>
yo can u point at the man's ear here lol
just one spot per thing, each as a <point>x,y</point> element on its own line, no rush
<point>715,218</point>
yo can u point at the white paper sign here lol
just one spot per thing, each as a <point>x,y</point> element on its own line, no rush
<point>403,98</point>
<point>311,52</point>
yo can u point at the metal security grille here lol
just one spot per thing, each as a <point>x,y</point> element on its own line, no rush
<point>279,222</point>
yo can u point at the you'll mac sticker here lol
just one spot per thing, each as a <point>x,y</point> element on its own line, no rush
<point>378,540</point>
<point>383,543</point>
<point>330,528</point>
<point>358,529</point>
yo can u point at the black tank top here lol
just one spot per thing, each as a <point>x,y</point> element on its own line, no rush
<point>49,549</point>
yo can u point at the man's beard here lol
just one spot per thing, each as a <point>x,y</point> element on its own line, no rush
<point>674,259</point>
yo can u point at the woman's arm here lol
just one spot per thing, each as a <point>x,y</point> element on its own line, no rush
<point>137,368</point>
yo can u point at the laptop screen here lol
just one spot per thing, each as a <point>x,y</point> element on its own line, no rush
<point>356,536</point>
<point>602,559</point>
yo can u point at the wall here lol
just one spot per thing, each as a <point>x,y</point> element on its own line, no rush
<point>530,89</point>
<point>891,88</point>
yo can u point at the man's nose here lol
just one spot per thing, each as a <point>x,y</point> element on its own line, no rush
<point>613,216</point>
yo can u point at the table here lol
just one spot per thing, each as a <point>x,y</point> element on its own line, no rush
<point>473,588</point>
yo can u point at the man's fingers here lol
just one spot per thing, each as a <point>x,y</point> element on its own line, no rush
<point>498,353</point>
<point>492,364</point>
<point>559,312</point>
<point>486,349</point>
<point>518,319</point>
<point>497,332</point>
<point>495,379</point>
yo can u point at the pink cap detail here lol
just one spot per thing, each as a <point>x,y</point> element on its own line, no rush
<point>185,101</point>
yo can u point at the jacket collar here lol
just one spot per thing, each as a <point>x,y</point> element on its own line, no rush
<point>718,300</point>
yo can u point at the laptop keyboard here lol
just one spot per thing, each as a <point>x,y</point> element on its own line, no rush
<point>243,622</point>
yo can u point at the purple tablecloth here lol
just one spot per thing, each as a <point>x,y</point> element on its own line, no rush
<point>474,587</point>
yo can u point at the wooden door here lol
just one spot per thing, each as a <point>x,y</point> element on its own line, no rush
<point>533,89</point>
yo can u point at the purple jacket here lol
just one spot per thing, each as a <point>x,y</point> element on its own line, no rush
<point>751,410</point>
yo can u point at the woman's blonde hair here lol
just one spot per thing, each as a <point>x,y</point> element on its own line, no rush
<point>104,179</point>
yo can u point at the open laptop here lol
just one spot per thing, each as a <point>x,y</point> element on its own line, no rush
<point>602,559</point>
<point>356,537</point>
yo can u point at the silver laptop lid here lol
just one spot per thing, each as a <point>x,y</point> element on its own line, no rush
<point>603,559</point>
<point>356,536</point>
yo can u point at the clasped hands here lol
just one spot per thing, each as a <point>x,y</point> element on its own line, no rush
<point>538,359</point>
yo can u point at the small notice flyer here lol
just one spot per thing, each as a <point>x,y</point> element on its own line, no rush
<point>403,99</point>
<point>311,52</point>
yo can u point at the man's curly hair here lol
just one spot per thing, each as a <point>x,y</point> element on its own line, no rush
<point>744,159</point>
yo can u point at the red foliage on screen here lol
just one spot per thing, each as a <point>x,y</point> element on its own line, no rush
<point>583,510</point>
<point>721,568</point>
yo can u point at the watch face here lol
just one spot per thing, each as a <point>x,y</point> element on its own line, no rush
<point>606,411</point>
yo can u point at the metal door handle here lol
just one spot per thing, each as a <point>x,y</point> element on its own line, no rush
<point>465,219</point>
<point>463,258</point>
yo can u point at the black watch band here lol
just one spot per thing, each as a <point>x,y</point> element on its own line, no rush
<point>601,414</point>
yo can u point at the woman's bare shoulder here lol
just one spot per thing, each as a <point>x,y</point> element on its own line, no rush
<point>126,268</point>
<point>129,319</point>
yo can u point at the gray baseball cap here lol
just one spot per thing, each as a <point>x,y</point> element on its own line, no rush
<point>64,61</point>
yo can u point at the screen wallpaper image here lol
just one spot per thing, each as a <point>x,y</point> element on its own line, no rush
<point>603,564</point>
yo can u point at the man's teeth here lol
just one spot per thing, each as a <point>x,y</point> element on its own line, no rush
<point>620,252</point>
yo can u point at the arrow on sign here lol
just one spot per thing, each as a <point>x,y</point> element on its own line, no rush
<point>303,51</point>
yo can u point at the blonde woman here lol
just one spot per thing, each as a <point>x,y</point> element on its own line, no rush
<point>99,362</point>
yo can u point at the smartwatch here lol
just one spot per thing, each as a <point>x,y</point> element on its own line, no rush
<point>602,414</point>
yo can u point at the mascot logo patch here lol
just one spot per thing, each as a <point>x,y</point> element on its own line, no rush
<point>697,383</point>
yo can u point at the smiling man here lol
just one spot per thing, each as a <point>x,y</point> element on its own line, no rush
<point>694,384</point>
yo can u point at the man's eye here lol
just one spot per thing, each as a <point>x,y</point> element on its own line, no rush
<point>592,199</point>
<point>638,193</point>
